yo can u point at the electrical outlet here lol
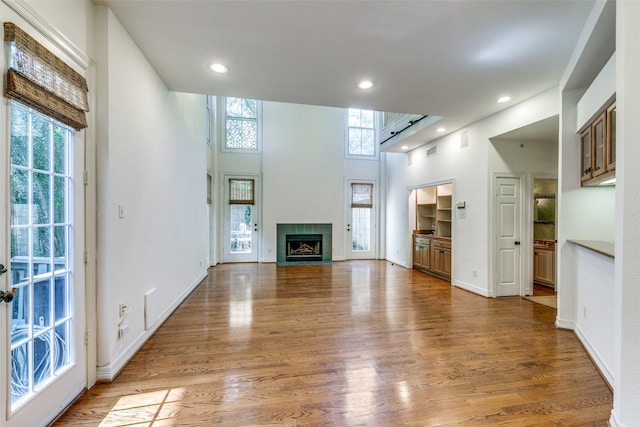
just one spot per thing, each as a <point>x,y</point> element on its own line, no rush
<point>122,309</point>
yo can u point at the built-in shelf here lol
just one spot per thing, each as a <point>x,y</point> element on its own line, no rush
<point>544,222</point>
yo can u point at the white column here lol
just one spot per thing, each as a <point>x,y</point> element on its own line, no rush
<point>626,407</point>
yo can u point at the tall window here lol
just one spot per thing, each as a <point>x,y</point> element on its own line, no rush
<point>361,138</point>
<point>241,124</point>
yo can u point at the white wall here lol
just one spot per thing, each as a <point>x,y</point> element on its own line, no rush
<point>303,171</point>
<point>470,168</point>
<point>152,162</point>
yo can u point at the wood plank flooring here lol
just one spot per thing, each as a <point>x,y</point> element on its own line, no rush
<point>358,343</point>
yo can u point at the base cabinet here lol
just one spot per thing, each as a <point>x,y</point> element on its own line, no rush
<point>432,255</point>
<point>544,266</point>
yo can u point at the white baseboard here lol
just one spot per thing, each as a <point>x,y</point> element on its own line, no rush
<point>565,324</point>
<point>110,370</point>
<point>595,356</point>
<point>614,421</point>
<point>397,262</point>
<point>472,288</point>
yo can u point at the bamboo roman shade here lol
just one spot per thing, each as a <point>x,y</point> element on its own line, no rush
<point>361,195</point>
<point>241,192</point>
<point>39,79</point>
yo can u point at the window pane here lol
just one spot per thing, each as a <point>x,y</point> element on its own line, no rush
<point>42,303</point>
<point>19,137</point>
<point>42,358</point>
<point>59,150</point>
<point>361,134</point>
<point>41,146</point>
<point>361,229</point>
<point>20,379</point>
<point>242,107</point>
<point>41,194</point>
<point>240,229</point>
<point>241,123</point>
<point>242,134</point>
<point>19,197</point>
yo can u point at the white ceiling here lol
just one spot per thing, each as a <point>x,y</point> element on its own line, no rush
<point>445,58</point>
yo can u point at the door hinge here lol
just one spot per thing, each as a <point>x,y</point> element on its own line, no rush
<point>85,177</point>
<point>85,255</point>
<point>86,337</point>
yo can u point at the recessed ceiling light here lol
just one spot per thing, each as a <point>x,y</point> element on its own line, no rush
<point>440,130</point>
<point>405,147</point>
<point>365,84</point>
<point>503,99</point>
<point>219,68</point>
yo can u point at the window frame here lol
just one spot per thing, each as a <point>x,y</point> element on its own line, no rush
<point>222,135</point>
<point>376,148</point>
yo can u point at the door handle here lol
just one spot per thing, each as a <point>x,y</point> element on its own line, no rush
<point>2,269</point>
<point>8,295</point>
<point>517,243</point>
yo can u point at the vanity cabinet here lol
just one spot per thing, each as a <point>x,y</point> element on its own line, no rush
<point>598,148</point>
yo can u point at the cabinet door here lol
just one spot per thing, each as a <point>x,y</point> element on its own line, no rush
<point>599,147</point>
<point>424,256</point>
<point>585,138</point>
<point>544,271</point>
<point>611,138</point>
<point>446,262</point>
<point>436,259</point>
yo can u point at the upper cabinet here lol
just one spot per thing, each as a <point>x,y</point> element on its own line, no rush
<point>598,148</point>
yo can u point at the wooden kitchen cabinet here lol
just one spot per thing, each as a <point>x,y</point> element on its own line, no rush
<point>544,266</point>
<point>432,255</point>
<point>598,148</point>
<point>440,258</point>
<point>421,253</point>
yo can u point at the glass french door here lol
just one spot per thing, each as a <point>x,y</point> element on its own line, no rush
<point>43,319</point>
<point>241,219</point>
<point>361,221</point>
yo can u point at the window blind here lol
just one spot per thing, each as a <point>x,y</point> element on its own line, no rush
<point>39,79</point>
<point>241,191</point>
<point>361,195</point>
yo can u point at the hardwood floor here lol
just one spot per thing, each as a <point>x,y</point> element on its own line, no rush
<point>359,343</point>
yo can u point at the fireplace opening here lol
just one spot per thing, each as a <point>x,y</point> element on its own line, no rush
<point>304,247</point>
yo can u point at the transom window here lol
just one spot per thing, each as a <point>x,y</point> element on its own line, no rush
<point>241,124</point>
<point>361,133</point>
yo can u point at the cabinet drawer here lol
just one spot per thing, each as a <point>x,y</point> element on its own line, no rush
<point>439,244</point>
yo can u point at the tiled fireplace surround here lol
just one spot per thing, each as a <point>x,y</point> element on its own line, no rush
<point>284,229</point>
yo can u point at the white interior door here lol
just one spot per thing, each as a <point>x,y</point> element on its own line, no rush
<point>361,230</point>
<point>42,228</point>
<point>241,219</point>
<point>507,226</point>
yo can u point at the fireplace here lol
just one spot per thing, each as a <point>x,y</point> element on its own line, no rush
<point>300,244</point>
<point>304,247</point>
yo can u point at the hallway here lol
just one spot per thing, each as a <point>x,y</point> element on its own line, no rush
<point>352,343</point>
